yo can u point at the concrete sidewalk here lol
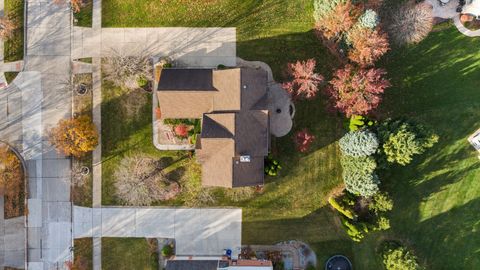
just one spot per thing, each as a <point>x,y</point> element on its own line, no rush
<point>196,231</point>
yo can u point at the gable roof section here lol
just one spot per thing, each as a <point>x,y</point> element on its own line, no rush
<point>252,133</point>
<point>173,79</point>
<point>253,88</point>
<point>227,82</point>
<point>218,125</point>
<point>215,155</point>
<point>184,104</point>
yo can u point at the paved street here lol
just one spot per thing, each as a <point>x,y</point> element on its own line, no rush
<point>196,231</point>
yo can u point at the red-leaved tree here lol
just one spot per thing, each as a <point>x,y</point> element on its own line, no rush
<point>303,140</point>
<point>368,45</point>
<point>357,91</point>
<point>305,81</point>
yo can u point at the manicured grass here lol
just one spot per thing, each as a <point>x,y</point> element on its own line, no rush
<point>84,16</point>
<point>83,248</point>
<point>435,82</point>
<point>126,134</point>
<point>437,197</point>
<point>129,253</point>
<point>10,76</point>
<point>13,50</point>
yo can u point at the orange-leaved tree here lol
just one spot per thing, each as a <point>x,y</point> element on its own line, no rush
<point>368,45</point>
<point>75,136</point>
<point>305,81</point>
<point>339,20</point>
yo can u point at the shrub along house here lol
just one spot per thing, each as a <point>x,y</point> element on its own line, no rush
<point>232,106</point>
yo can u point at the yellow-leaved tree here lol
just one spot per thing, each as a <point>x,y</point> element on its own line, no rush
<point>75,136</point>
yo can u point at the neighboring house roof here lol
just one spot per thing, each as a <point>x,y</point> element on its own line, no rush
<point>235,123</point>
<point>192,265</point>
<point>472,7</point>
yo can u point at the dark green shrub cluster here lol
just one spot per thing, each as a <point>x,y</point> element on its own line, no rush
<point>168,251</point>
<point>271,166</point>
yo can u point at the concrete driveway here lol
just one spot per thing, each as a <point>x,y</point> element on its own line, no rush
<point>197,232</point>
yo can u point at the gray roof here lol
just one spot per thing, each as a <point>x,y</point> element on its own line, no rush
<point>192,265</point>
<point>172,79</point>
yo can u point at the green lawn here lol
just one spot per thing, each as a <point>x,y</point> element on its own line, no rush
<point>435,82</point>
<point>437,197</point>
<point>129,253</point>
<point>13,50</point>
<point>84,16</point>
<point>83,248</point>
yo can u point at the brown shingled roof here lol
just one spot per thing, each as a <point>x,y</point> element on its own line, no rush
<point>235,122</point>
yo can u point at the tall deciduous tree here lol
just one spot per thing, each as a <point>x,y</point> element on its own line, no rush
<point>368,45</point>
<point>124,69</point>
<point>139,180</point>
<point>75,136</point>
<point>403,139</point>
<point>357,91</point>
<point>305,81</point>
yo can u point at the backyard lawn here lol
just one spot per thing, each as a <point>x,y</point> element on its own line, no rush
<point>435,82</point>
<point>129,253</point>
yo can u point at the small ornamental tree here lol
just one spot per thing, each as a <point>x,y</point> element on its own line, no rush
<point>381,202</point>
<point>368,45</point>
<point>305,81</point>
<point>75,136</point>
<point>360,143</point>
<point>303,140</point>
<point>410,23</point>
<point>357,91</point>
<point>339,20</point>
<point>396,257</point>
<point>402,140</point>
<point>6,28</point>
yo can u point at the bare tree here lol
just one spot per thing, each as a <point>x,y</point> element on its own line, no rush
<point>125,70</point>
<point>410,22</point>
<point>7,27</point>
<point>140,180</point>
